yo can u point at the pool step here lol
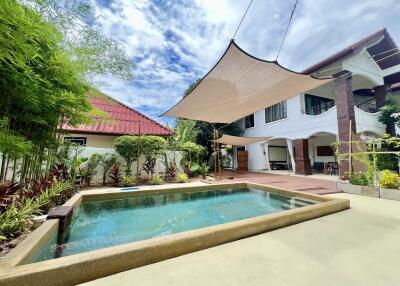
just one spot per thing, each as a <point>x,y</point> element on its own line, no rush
<point>297,202</point>
<point>309,201</point>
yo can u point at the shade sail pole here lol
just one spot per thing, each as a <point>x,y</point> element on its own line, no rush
<point>350,149</point>
<point>215,154</point>
<point>219,157</point>
<point>138,157</point>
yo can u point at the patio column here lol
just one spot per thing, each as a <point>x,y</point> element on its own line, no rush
<point>380,99</point>
<point>345,112</point>
<point>302,159</point>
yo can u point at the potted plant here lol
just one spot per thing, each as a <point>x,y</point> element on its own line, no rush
<point>390,183</point>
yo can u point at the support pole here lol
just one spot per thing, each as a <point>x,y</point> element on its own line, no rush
<point>215,155</point>
<point>138,158</point>
<point>350,135</point>
<point>219,159</point>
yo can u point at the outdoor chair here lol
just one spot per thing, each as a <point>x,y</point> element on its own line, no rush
<point>318,167</point>
<point>333,168</point>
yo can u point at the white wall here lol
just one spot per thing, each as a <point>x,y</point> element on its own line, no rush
<point>368,122</point>
<point>296,126</point>
<point>97,141</point>
<point>88,151</point>
<point>363,66</point>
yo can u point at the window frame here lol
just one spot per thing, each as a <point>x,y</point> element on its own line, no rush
<point>80,140</point>
<point>324,104</point>
<point>245,120</point>
<point>276,112</point>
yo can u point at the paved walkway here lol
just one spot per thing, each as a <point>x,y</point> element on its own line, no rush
<point>299,183</point>
<point>357,247</point>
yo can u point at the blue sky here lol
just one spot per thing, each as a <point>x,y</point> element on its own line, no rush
<point>174,42</point>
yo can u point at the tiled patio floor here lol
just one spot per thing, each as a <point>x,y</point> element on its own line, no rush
<point>304,184</point>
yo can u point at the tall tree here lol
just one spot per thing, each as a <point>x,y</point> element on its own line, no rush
<point>83,38</point>
<point>40,84</point>
<point>185,131</point>
<point>191,87</point>
<point>390,114</point>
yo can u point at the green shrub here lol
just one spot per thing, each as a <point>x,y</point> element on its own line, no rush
<point>89,171</point>
<point>181,178</point>
<point>127,181</point>
<point>60,193</point>
<point>390,180</point>
<point>359,179</point>
<point>16,219</point>
<point>156,180</point>
<point>203,169</point>
<point>115,174</point>
<point>18,215</point>
<point>107,161</point>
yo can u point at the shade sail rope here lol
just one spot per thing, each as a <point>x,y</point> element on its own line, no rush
<point>287,29</point>
<point>241,21</point>
<point>370,57</point>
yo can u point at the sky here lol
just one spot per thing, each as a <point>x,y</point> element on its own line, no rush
<point>172,43</point>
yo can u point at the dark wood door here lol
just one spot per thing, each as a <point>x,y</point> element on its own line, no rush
<point>242,159</point>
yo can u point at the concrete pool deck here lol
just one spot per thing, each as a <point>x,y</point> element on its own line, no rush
<point>16,269</point>
<point>359,246</point>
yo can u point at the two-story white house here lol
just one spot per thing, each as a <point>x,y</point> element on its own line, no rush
<point>304,126</point>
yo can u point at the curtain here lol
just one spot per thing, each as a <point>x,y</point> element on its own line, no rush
<point>290,148</point>
<point>268,166</point>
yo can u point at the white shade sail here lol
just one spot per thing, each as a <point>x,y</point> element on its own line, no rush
<point>239,141</point>
<point>239,85</point>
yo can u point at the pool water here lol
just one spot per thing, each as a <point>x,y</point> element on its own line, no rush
<point>103,224</point>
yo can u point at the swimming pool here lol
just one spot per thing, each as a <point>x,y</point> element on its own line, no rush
<point>103,224</point>
<point>113,231</point>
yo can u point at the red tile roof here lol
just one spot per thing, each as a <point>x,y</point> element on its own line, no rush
<point>122,120</point>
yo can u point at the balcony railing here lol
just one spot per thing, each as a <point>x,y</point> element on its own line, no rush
<point>321,108</point>
<point>369,106</point>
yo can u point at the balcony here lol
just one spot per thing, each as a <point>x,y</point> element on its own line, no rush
<point>368,106</point>
<point>368,122</point>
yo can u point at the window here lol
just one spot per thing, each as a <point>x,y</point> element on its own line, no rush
<point>76,140</point>
<point>325,151</point>
<point>276,112</point>
<point>249,121</point>
<point>316,105</point>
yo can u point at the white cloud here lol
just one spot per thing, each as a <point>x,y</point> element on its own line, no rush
<point>173,43</point>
